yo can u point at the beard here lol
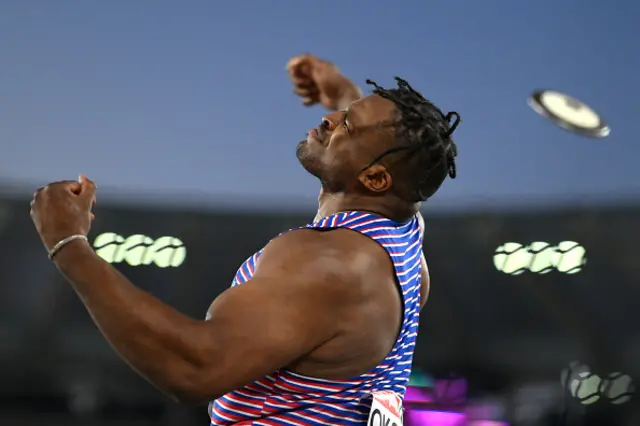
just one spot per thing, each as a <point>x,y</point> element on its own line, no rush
<point>309,160</point>
<point>312,162</point>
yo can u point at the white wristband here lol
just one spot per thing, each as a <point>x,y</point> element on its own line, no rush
<point>56,248</point>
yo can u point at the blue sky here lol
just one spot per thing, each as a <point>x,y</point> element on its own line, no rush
<point>153,99</point>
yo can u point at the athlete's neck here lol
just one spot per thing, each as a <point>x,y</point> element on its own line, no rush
<point>331,203</point>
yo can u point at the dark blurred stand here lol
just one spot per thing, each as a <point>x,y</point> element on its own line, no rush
<point>501,332</point>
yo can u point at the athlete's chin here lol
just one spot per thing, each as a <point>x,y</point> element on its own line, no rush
<point>307,160</point>
<point>301,149</point>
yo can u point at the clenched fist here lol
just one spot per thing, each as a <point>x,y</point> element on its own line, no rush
<point>319,81</point>
<point>62,209</point>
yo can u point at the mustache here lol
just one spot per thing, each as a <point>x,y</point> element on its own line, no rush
<point>322,132</point>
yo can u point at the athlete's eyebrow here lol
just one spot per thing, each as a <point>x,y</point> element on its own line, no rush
<point>348,121</point>
<point>350,113</point>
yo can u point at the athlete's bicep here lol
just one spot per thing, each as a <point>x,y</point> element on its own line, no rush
<point>289,308</point>
<point>263,325</point>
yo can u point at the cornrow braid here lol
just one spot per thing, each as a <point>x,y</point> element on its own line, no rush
<point>425,131</point>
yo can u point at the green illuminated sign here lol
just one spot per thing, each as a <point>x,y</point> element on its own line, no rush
<point>137,250</point>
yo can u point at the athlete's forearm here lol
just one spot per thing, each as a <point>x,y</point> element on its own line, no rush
<point>160,343</point>
<point>351,95</point>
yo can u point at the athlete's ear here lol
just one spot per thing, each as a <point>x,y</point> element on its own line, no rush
<point>376,178</point>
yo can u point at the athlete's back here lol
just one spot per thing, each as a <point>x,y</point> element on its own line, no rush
<point>332,384</point>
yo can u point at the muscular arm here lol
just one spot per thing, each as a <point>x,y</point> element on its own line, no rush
<point>351,94</point>
<point>290,307</point>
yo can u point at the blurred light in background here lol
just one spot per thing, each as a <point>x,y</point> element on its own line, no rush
<point>540,258</point>
<point>138,249</point>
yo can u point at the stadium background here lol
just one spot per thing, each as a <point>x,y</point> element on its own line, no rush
<point>182,113</point>
<point>509,337</point>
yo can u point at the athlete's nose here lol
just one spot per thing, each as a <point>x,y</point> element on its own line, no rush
<point>327,123</point>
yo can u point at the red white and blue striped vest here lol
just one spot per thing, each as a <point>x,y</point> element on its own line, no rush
<point>287,398</point>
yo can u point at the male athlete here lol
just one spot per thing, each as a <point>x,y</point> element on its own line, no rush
<point>319,326</point>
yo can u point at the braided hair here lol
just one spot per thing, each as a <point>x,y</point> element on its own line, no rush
<point>424,133</point>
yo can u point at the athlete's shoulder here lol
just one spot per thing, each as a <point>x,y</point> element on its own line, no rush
<point>335,252</point>
<point>341,243</point>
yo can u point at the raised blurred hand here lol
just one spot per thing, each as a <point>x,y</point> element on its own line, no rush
<point>319,81</point>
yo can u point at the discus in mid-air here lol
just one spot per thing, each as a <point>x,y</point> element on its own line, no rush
<point>569,113</point>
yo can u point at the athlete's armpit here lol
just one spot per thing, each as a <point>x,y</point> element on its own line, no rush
<point>303,284</point>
